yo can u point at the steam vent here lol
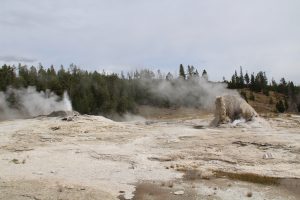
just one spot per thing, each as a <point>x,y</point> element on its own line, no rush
<point>232,107</point>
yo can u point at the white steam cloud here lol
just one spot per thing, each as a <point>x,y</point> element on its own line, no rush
<point>27,102</point>
<point>194,92</point>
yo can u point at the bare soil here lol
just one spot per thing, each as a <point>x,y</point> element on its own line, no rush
<point>168,155</point>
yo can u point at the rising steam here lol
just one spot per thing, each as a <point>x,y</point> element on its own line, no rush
<point>27,102</point>
<point>194,92</point>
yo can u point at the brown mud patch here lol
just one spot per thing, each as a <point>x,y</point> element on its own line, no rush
<point>290,184</point>
<point>162,191</point>
<point>248,177</point>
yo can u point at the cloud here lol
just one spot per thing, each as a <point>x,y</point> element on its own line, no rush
<point>16,59</point>
<point>259,35</point>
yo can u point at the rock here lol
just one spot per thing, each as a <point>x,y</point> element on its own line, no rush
<point>38,173</point>
<point>161,159</point>
<point>65,115</point>
<point>179,192</point>
<point>55,128</point>
<point>249,194</point>
<point>69,187</point>
<point>62,113</point>
<point>68,119</point>
<point>19,149</point>
<point>267,156</point>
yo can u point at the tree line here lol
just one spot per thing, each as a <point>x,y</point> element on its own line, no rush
<point>91,92</point>
<point>103,93</point>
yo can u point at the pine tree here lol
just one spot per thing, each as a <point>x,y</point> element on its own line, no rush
<point>181,72</point>
<point>190,72</point>
<point>237,80</point>
<point>196,73</point>
<point>282,87</point>
<point>260,81</point>
<point>232,83</point>
<point>204,74</point>
<point>241,78</point>
<point>252,82</point>
<point>291,89</point>
<point>169,76</point>
<point>7,77</point>
<point>273,85</point>
<point>247,79</point>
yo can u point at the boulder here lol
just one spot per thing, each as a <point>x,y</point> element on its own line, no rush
<point>63,114</point>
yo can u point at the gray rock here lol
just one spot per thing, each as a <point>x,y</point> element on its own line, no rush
<point>179,192</point>
<point>267,156</point>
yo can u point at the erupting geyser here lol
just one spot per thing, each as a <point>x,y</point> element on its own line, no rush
<point>28,102</point>
<point>232,107</point>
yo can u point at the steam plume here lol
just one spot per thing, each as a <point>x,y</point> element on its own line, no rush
<point>27,102</point>
<point>194,92</point>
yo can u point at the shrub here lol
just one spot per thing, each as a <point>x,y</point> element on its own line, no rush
<point>280,106</point>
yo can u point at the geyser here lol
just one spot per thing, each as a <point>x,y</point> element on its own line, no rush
<point>232,107</point>
<point>27,102</point>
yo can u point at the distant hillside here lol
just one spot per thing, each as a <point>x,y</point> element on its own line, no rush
<point>263,103</point>
<point>265,95</point>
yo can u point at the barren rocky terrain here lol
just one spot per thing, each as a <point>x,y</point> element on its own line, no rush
<point>173,156</point>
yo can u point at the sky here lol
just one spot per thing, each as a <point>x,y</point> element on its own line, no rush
<point>124,35</point>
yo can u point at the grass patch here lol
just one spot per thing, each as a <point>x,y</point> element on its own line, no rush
<point>248,177</point>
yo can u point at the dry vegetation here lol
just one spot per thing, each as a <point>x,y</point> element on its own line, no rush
<point>262,103</point>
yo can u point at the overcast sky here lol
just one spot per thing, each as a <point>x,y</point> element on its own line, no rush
<point>115,35</point>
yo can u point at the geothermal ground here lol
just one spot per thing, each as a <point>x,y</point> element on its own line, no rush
<point>175,155</point>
